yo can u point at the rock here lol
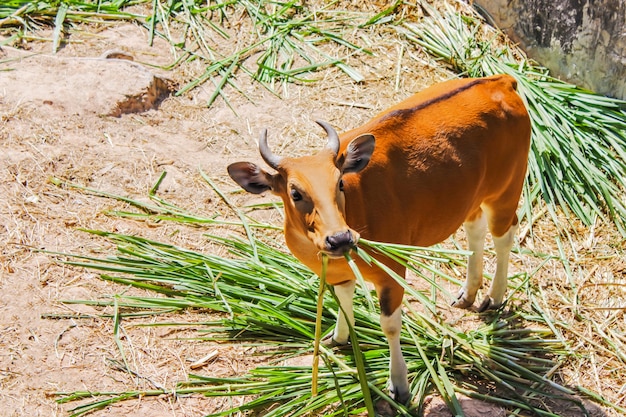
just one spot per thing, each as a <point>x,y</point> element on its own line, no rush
<point>81,86</point>
<point>580,41</point>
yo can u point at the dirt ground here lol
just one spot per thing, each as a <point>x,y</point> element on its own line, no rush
<point>65,116</point>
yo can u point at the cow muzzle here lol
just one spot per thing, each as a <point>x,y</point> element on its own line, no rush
<point>338,244</point>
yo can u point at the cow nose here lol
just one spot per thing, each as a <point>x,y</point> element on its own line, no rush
<point>340,242</point>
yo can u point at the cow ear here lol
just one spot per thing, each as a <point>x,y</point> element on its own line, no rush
<point>358,153</point>
<point>250,177</point>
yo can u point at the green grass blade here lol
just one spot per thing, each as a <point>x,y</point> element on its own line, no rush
<point>59,21</point>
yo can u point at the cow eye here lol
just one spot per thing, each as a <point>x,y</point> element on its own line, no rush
<point>340,185</point>
<point>295,195</point>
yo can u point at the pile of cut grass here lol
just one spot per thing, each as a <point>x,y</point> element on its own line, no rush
<point>269,299</point>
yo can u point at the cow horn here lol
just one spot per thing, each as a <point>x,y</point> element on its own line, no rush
<point>333,138</point>
<point>267,155</point>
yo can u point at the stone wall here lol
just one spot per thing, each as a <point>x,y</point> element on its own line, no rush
<point>581,41</point>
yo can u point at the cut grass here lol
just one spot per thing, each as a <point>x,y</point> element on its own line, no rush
<point>285,45</point>
<point>273,301</point>
<point>269,299</point>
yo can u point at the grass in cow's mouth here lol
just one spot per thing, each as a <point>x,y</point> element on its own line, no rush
<point>268,299</point>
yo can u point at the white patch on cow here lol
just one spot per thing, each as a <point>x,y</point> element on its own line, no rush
<point>398,381</point>
<point>345,294</point>
<point>503,245</point>
<point>476,232</point>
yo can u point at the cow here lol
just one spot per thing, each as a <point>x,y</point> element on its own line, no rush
<point>453,154</point>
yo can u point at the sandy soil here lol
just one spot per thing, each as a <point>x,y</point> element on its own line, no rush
<point>64,116</point>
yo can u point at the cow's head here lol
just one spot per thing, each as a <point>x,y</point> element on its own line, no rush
<point>311,188</point>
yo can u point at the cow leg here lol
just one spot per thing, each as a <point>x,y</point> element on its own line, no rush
<point>503,245</point>
<point>345,294</point>
<point>475,230</point>
<point>390,295</point>
<point>398,380</point>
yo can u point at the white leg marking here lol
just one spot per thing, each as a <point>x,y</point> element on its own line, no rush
<point>398,381</point>
<point>476,231</point>
<point>503,245</point>
<point>345,294</point>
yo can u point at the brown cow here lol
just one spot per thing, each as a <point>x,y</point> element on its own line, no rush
<point>454,154</point>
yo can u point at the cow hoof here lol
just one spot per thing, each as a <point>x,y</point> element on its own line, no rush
<point>488,304</point>
<point>401,397</point>
<point>384,409</point>
<point>462,301</point>
<point>330,342</point>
